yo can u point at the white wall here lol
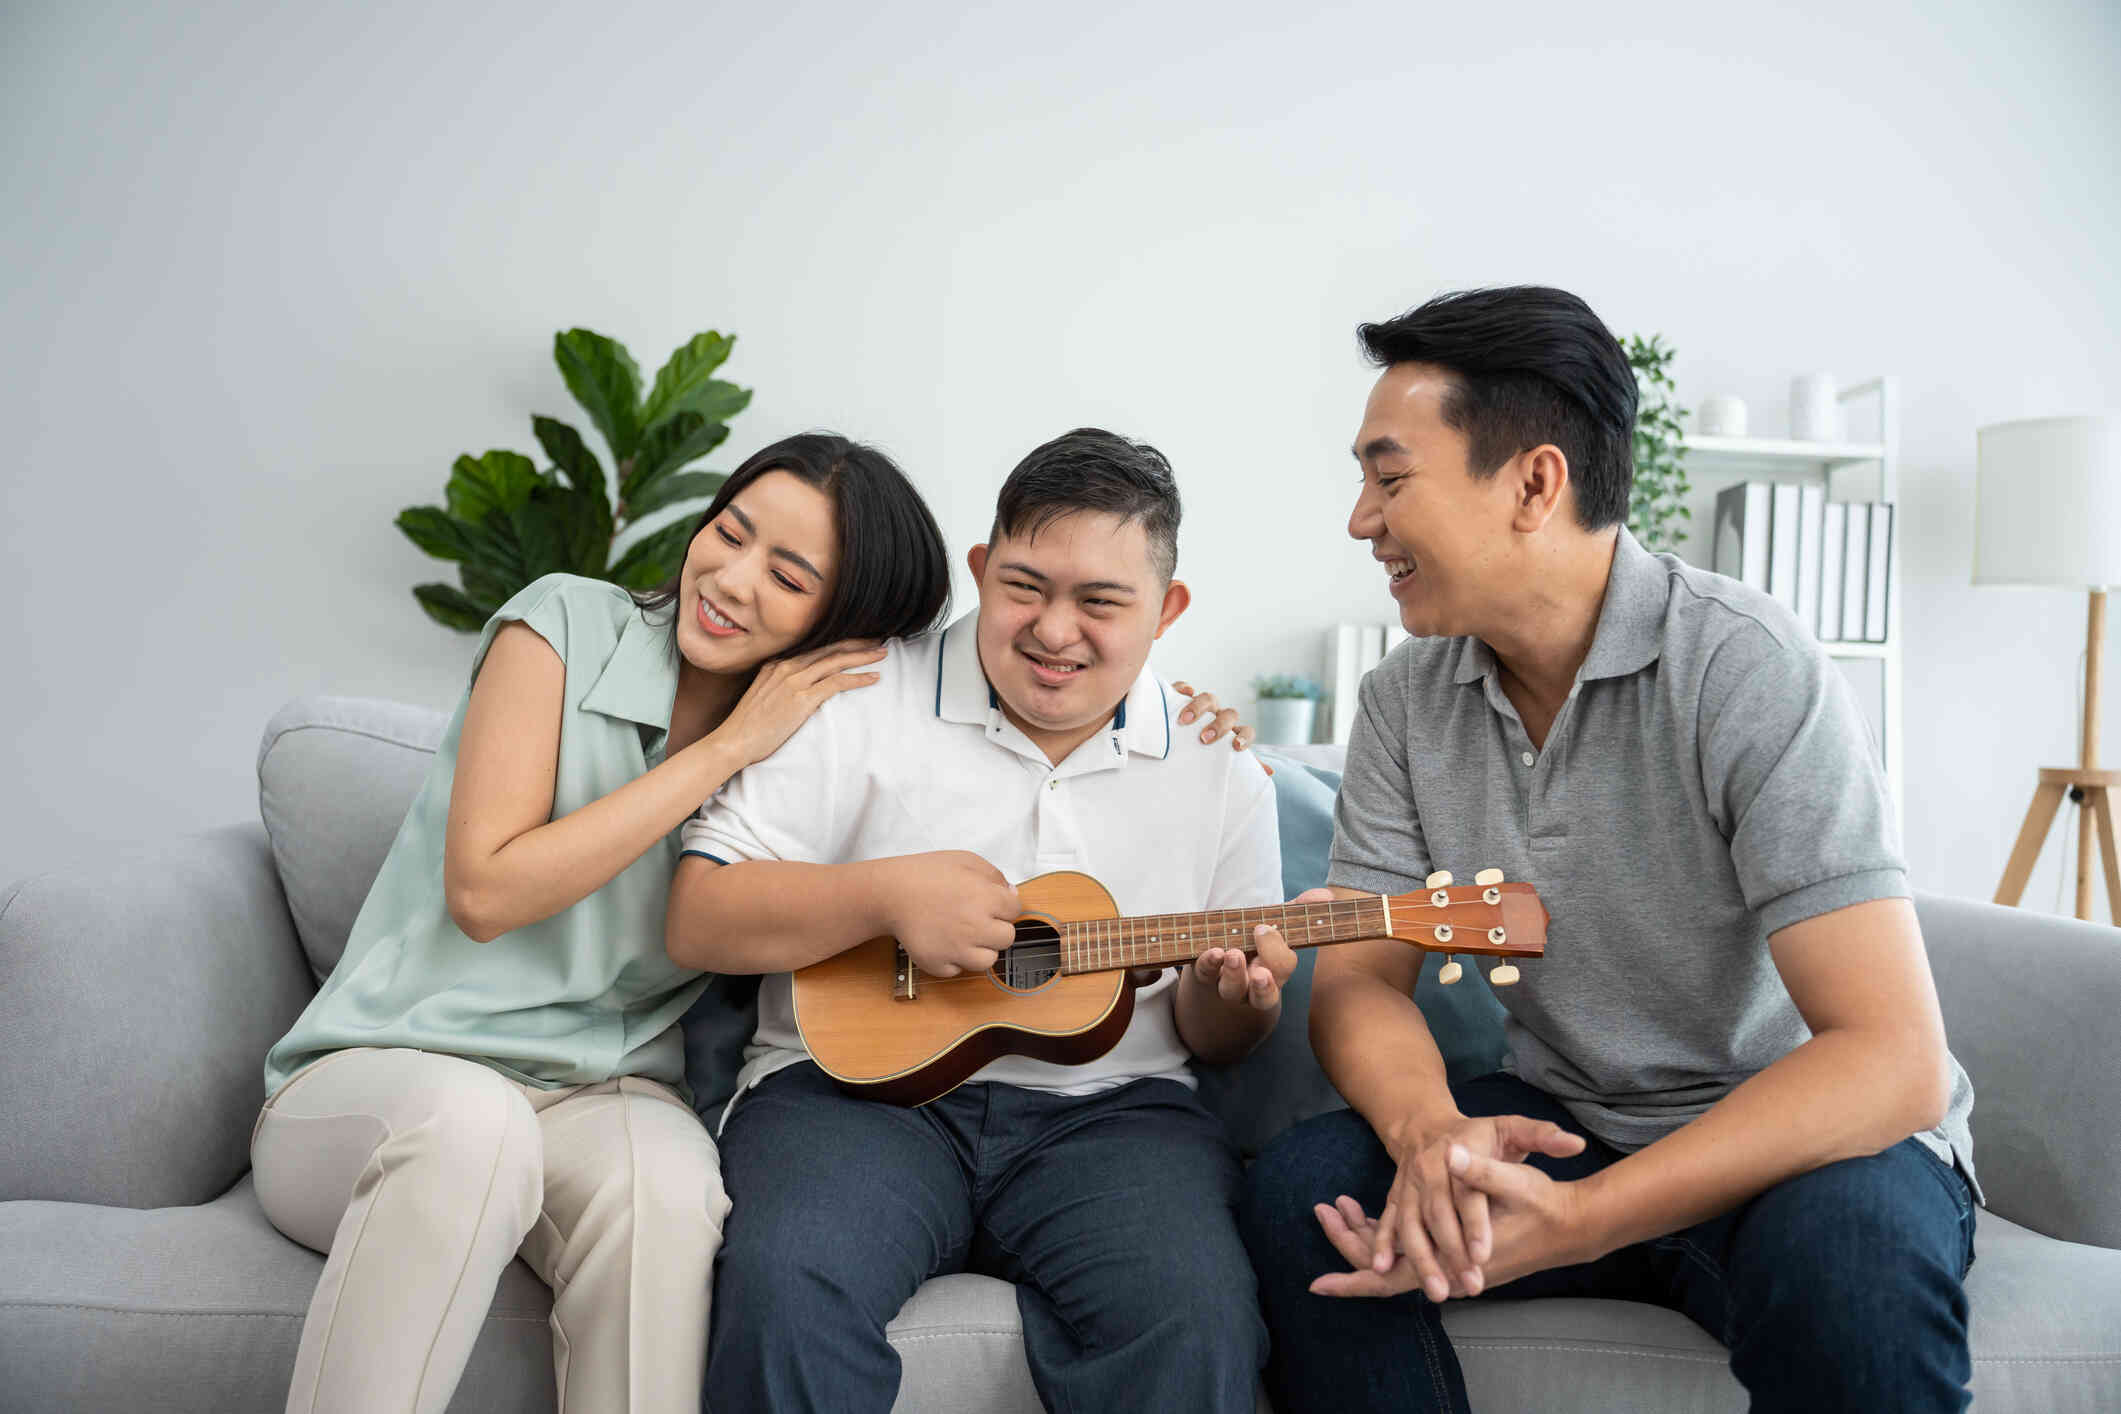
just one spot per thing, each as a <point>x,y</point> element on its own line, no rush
<point>268,268</point>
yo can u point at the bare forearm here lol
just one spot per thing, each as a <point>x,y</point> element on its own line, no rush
<point>1212,1029</point>
<point>544,871</point>
<point>772,916</point>
<point>1840,1095</point>
<point>1374,1045</point>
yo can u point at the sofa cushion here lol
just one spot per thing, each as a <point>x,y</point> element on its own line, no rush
<point>138,993</point>
<point>199,1310</point>
<point>335,778</point>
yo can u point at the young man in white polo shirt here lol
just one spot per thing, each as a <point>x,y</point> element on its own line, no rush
<point>1028,737</point>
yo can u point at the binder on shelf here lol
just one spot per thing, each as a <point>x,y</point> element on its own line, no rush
<point>1879,583</point>
<point>1811,529</point>
<point>1783,536</point>
<point>1351,651</point>
<point>1741,541</point>
<point>1855,572</point>
<point>1833,548</point>
<point>1344,672</point>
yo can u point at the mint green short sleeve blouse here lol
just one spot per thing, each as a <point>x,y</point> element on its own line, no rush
<point>582,996</point>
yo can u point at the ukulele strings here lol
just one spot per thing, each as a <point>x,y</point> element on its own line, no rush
<point>1044,957</point>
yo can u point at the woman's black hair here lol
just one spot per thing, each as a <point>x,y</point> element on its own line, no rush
<point>892,575</point>
<point>1531,365</point>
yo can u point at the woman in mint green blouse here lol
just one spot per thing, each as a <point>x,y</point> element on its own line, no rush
<point>494,1068</point>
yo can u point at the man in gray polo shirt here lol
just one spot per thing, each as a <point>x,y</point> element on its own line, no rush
<point>1727,1088</point>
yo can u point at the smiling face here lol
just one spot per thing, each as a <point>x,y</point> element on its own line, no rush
<point>1066,617</point>
<point>757,576</point>
<point>1442,535</point>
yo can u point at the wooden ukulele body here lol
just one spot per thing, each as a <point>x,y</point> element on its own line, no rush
<point>911,1051</point>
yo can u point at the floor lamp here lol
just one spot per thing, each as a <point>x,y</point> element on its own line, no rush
<point>2047,511</point>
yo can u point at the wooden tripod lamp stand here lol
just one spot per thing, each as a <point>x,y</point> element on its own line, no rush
<point>2047,511</point>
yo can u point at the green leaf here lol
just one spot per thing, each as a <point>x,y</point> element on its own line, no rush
<point>544,531</point>
<point>719,401</point>
<point>669,490</point>
<point>571,455</point>
<point>498,481</point>
<point>563,530</point>
<point>686,377</point>
<point>603,378</point>
<point>653,559</point>
<point>447,606</point>
<point>436,531</point>
<point>496,567</point>
<point>684,438</point>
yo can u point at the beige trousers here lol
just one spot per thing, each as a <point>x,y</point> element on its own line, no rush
<point>422,1175</point>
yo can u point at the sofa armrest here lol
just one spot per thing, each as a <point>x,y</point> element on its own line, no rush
<point>138,996</point>
<point>2030,1006</point>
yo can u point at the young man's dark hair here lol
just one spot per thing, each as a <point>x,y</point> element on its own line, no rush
<point>1091,469</point>
<point>1533,365</point>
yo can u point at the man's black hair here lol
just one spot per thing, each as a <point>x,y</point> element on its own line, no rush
<point>1091,469</point>
<point>1529,365</point>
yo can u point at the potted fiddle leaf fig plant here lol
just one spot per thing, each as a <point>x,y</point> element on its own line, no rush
<point>505,521</point>
<point>1288,705</point>
<point>1657,508</point>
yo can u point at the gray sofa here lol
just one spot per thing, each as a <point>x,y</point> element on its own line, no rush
<point>138,994</point>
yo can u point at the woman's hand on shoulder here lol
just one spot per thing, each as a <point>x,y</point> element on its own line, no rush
<point>785,693</point>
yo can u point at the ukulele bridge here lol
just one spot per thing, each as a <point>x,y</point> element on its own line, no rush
<point>902,979</point>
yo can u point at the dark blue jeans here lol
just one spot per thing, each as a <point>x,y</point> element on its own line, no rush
<point>1838,1290</point>
<point>1111,1212</point>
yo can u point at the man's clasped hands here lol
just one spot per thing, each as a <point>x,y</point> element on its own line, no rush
<point>1466,1213</point>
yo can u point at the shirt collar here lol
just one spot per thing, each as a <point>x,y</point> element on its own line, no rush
<point>1141,723</point>
<point>1630,632</point>
<point>639,681</point>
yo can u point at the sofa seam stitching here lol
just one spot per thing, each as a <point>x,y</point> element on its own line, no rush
<point>369,732</point>
<point>241,1315</point>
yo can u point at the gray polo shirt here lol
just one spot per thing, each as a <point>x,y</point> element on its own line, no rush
<point>1709,782</point>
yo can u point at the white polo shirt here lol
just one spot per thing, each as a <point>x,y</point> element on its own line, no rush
<point>924,760</point>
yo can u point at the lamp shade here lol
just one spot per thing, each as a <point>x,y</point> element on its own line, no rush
<point>2047,503</point>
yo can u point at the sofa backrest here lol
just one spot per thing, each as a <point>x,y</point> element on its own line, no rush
<point>335,778</point>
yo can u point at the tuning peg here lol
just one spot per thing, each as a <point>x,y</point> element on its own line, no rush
<point>1502,976</point>
<point>1441,879</point>
<point>1488,876</point>
<point>1450,972</point>
<point>1443,932</point>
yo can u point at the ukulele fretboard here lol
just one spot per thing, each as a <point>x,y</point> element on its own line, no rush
<point>1162,939</point>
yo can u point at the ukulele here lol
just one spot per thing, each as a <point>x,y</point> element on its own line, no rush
<point>1064,992</point>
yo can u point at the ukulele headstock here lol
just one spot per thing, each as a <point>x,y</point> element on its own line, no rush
<point>1488,917</point>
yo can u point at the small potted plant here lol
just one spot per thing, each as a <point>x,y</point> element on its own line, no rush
<point>1287,705</point>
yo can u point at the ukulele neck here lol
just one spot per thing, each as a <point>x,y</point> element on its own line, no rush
<point>1166,939</point>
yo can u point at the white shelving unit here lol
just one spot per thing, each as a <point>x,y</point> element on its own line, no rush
<point>1851,471</point>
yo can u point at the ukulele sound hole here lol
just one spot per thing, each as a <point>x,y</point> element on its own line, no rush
<point>1033,959</point>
